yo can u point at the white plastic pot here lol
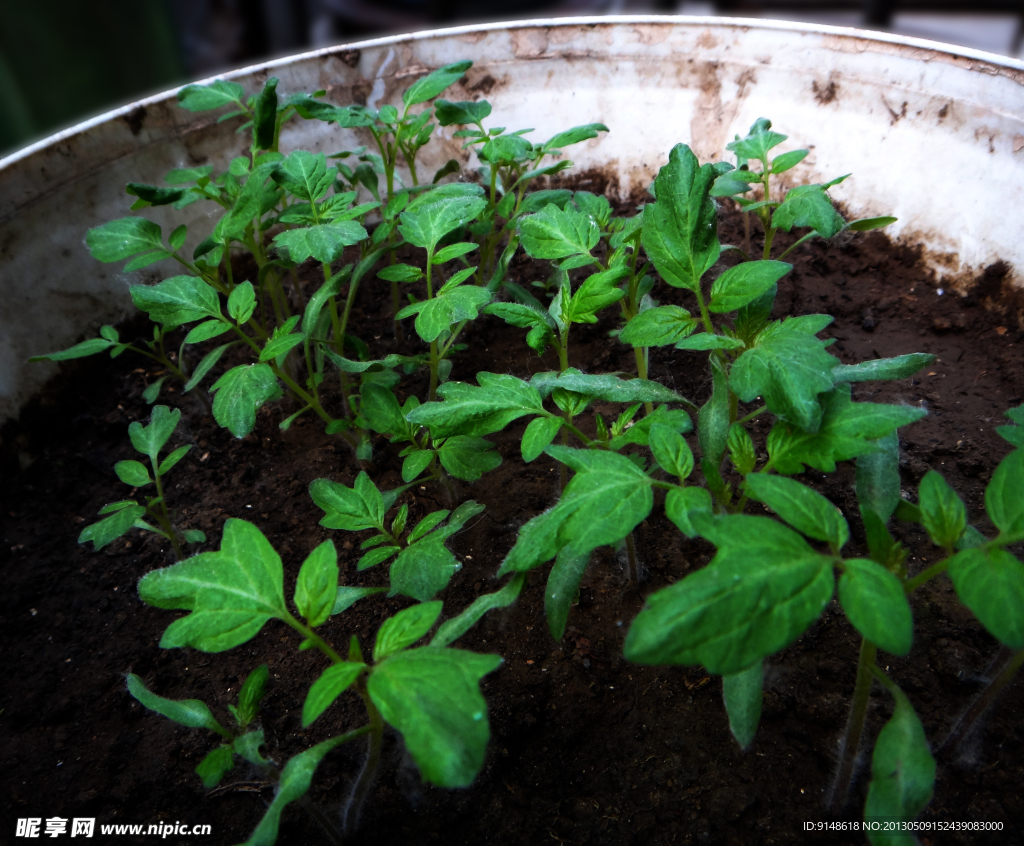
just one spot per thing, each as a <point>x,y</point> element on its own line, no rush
<point>932,134</point>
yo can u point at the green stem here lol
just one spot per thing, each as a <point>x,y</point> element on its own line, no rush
<point>350,816</point>
<point>753,414</point>
<point>925,575</point>
<point>634,571</point>
<point>164,518</point>
<point>855,724</point>
<point>1010,662</point>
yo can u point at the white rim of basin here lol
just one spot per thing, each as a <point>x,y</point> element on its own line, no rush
<point>932,133</point>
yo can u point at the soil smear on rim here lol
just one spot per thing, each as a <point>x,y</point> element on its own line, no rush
<point>585,747</point>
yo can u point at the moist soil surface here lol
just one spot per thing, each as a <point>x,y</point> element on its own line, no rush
<point>585,747</point>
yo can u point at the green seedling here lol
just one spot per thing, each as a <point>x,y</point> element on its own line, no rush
<point>430,694</point>
<point>128,514</point>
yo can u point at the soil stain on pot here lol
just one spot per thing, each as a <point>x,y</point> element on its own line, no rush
<point>585,748</point>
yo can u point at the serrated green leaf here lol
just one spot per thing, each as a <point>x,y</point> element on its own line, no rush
<point>713,418</point>
<point>743,693</point>
<point>187,712</point>
<point>230,593</point>
<point>404,629</point>
<point>990,581</point>
<point>659,327</point>
<point>556,233</point>
<point>755,598</point>
<point>847,430</point>
<point>608,387</point>
<point>432,216</point>
<point>757,142</point>
<point>121,239</point>
<point>132,473</point>
<point>943,513</point>
<point>597,292</point>
<point>240,393</point>
<point>242,302</point>
<point>472,410</point>
<point>468,458</point>
<point>603,502</point>
<point>353,509</point>
<point>178,300</point>
<point>437,315</point>
<point>902,774</point>
<point>112,527</point>
<point>679,230</point>
<point>744,283</point>
<point>432,697</point>
<point>305,175</point>
<point>317,586</point>
<point>789,368</point>
<point>506,149</point>
<point>874,600</point>
<point>207,330</point>
<point>804,509</point>
<point>334,681</point>
<point>462,113</point>
<point>639,431</point>
<point>325,242</point>
<point>808,206</point>
<point>149,440</point>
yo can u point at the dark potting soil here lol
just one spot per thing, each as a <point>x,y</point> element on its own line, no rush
<point>585,747</point>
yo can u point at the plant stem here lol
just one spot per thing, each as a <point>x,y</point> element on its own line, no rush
<point>634,571</point>
<point>350,817</point>
<point>926,575</point>
<point>1009,663</point>
<point>854,726</point>
<point>164,517</point>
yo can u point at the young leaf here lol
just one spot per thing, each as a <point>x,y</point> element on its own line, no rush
<point>741,449</point>
<point>671,452</point>
<point>608,387</point>
<point>682,506</point>
<point>598,291</point>
<point>206,331</point>
<point>149,440</point>
<point>424,225</point>
<point>451,630</point>
<point>900,367</point>
<point>249,697</point>
<point>789,367</point>
<point>468,458</point>
<point>804,509</point>
<point>429,86</point>
<point>217,762</point>
<point>540,432</point>
<point>573,136</point>
<point>742,693</point>
<point>680,233</point>
<point>603,502</point>
<point>555,233</point>
<point>201,98</point>
<point>878,477</point>
<point>659,327</point>
<point>90,347</point>
<point>415,463</point>
<point>1004,496</point>
<point>874,600</point>
<point>744,283</point>
<point>756,597</point>
<point>317,585</point>
<point>151,195</point>
<point>713,418</point>
<point>780,164</point>
<point>943,513</point>
<point>810,206</point>
<point>757,142</point>
<point>188,712</point>
<point>305,175</point>
<point>461,113</point>
<point>423,569</point>
<point>206,365</point>
<point>240,393</point>
<point>471,410</point>
<point>453,251</point>
<point>295,780</point>
<point>991,583</point>
<point>230,593</point>
<point>111,528</point>
<point>325,242</point>
<point>400,273</point>
<point>349,596</point>
<point>432,696</point>
<point>180,299</point>
<point>123,238</point>
<point>264,121</point>
<point>902,772</point>
<point>334,681</point>
<point>132,473</point>
<point>248,747</point>
<point>675,419</point>
<point>404,629</point>
<point>866,224</point>
<point>242,302</point>
<point>437,315</point>
<point>375,557</point>
<point>563,586</point>
<point>352,509</point>
<point>847,430</point>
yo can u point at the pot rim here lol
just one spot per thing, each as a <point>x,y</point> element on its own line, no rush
<point>908,42</point>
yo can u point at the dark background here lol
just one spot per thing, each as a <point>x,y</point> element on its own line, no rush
<point>62,61</point>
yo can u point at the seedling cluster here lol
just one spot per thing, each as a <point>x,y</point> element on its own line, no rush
<point>349,214</point>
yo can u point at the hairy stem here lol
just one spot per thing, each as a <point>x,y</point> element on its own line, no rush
<point>350,818</point>
<point>1009,662</point>
<point>854,726</point>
